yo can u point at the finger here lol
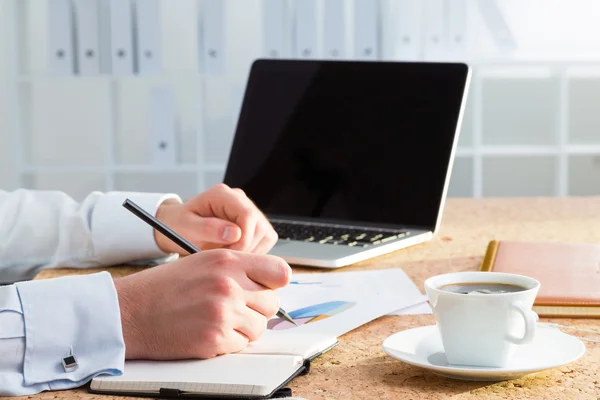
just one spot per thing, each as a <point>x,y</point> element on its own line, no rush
<point>263,228</point>
<point>251,324</point>
<point>263,301</point>
<point>247,220</point>
<point>232,205</point>
<point>256,219</point>
<point>269,271</point>
<point>234,341</point>
<point>239,191</point>
<point>255,237</point>
<point>264,236</point>
<point>213,230</point>
<point>268,241</point>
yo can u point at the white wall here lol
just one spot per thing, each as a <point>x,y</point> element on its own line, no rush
<point>532,98</point>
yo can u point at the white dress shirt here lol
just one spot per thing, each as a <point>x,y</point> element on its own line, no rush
<point>41,322</point>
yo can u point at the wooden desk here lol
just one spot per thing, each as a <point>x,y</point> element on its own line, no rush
<point>359,369</point>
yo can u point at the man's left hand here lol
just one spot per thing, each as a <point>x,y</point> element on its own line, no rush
<point>221,217</point>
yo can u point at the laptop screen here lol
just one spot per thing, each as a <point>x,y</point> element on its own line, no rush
<point>348,141</point>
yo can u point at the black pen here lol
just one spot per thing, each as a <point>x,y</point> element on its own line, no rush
<point>179,240</point>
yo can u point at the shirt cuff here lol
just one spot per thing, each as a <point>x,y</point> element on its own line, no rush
<point>118,235</point>
<point>78,313</point>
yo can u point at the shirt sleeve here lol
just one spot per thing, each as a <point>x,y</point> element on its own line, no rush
<point>119,236</point>
<point>41,322</point>
<point>48,229</point>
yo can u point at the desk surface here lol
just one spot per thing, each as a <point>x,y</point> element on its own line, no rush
<point>359,369</point>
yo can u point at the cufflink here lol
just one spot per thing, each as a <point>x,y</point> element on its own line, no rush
<point>70,362</point>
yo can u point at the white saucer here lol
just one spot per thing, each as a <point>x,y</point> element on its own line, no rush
<point>422,347</point>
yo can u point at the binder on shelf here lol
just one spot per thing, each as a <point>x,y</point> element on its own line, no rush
<point>61,48</point>
<point>147,23</point>
<point>407,30</point>
<point>334,29</point>
<point>275,33</point>
<point>87,30</point>
<point>366,29</point>
<point>456,16</point>
<point>117,37</point>
<point>497,25</point>
<point>435,38</point>
<point>162,125</point>
<point>212,52</point>
<point>305,40</point>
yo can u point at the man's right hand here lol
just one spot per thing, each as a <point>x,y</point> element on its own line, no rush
<point>200,306</point>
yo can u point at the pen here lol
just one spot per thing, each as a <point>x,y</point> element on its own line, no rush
<point>179,240</point>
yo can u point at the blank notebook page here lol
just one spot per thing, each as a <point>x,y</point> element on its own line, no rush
<point>290,343</point>
<point>246,374</point>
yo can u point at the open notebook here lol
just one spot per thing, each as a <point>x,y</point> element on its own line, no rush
<point>259,371</point>
<point>324,305</point>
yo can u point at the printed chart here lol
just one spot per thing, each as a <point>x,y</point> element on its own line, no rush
<point>310,314</point>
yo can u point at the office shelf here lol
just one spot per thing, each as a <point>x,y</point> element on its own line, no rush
<point>535,120</point>
<point>165,77</point>
<point>124,168</point>
<point>207,157</point>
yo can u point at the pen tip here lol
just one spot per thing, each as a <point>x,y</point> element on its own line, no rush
<point>286,316</point>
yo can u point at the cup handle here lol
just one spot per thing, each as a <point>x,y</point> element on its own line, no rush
<point>530,318</point>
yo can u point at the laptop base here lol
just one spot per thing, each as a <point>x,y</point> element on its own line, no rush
<point>334,256</point>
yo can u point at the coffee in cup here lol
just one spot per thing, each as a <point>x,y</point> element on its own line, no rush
<point>483,316</point>
<point>482,288</point>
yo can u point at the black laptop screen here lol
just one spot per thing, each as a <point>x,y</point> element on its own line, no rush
<point>348,141</point>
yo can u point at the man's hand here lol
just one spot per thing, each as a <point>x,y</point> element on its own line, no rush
<point>221,217</point>
<point>179,310</point>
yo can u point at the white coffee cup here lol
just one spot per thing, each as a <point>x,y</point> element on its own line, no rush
<point>483,329</point>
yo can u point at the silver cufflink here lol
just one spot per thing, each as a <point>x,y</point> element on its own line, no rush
<point>70,362</point>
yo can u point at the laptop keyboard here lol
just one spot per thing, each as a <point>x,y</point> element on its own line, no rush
<point>335,234</point>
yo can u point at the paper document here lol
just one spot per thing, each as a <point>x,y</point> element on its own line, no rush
<point>420,308</point>
<point>332,304</point>
<point>325,305</point>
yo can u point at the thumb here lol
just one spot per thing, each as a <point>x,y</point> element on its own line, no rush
<point>215,230</point>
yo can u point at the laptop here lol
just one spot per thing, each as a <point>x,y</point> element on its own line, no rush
<point>348,160</point>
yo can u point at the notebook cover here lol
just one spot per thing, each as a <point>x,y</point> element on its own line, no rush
<point>280,392</point>
<point>569,273</point>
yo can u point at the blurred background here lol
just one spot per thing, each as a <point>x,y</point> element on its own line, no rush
<point>145,94</point>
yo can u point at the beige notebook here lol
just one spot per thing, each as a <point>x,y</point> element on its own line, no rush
<point>569,274</point>
<point>259,372</point>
